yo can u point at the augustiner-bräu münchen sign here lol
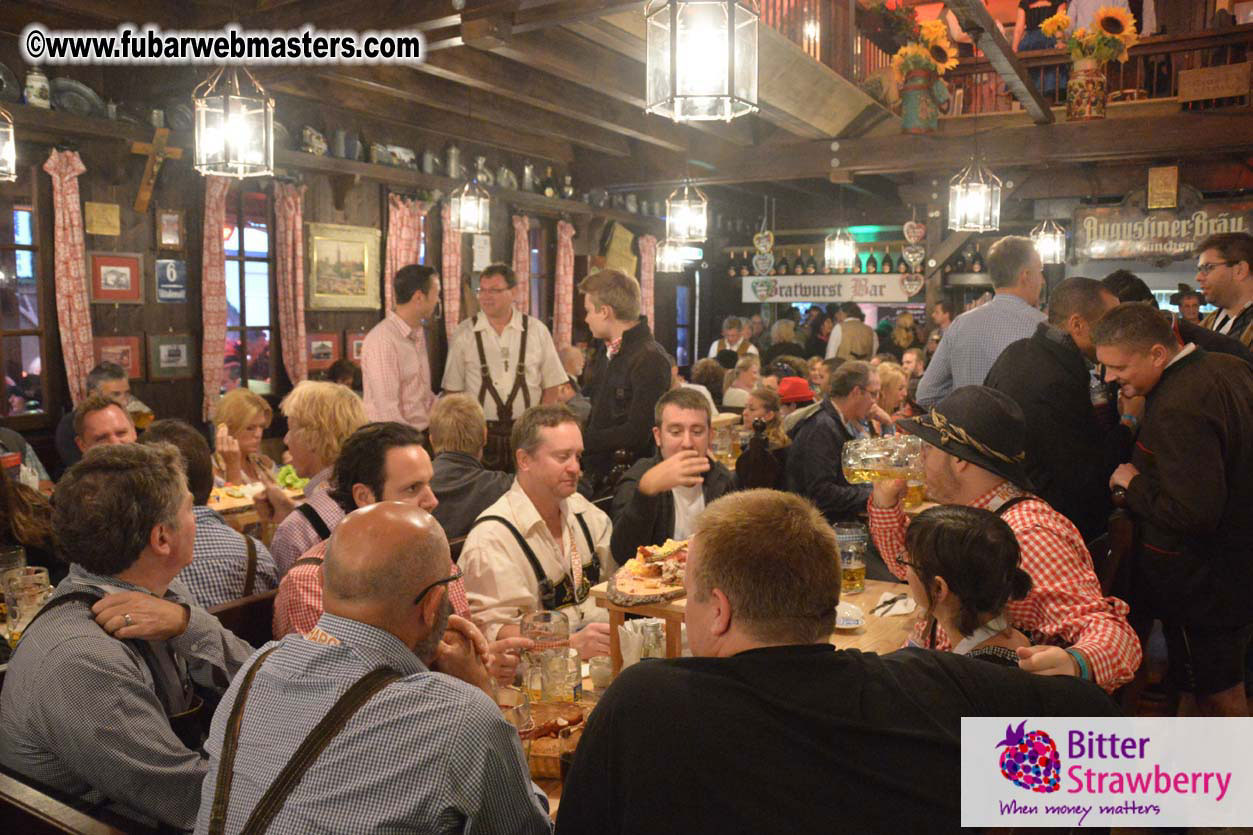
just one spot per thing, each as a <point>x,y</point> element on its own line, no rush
<point>1131,232</point>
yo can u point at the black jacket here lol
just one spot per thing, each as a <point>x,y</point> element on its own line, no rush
<point>1212,341</point>
<point>785,349</point>
<point>465,488</point>
<point>1070,452</point>
<point>649,520</point>
<point>623,392</point>
<point>814,466</point>
<point>1192,498</point>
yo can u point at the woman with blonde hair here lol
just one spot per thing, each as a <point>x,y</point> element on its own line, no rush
<point>904,336</point>
<point>739,381</point>
<point>894,385</point>
<point>242,416</point>
<point>765,404</point>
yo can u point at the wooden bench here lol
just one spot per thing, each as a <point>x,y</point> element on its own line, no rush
<point>250,618</point>
<point>29,811</point>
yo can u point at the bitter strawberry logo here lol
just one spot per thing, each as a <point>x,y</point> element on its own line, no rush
<point>1030,759</point>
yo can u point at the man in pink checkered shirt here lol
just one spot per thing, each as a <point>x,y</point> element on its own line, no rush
<point>395,368</point>
<point>973,455</point>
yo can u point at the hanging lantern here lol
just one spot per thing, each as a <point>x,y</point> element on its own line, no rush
<point>974,200</point>
<point>8,148</point>
<point>470,206</point>
<point>670,257</point>
<point>687,216</point>
<point>701,58</point>
<point>234,126</point>
<point>1050,242</point>
<point>841,251</point>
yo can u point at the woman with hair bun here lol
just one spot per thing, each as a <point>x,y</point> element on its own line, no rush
<point>963,565</point>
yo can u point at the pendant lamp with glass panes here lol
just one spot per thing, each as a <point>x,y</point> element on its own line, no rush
<point>700,59</point>
<point>234,122</point>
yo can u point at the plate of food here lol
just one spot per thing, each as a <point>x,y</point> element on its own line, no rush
<point>654,574</point>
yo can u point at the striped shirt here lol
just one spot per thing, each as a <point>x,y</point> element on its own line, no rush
<point>972,344</point>
<point>396,373</point>
<point>83,714</point>
<point>428,753</point>
<point>298,604</point>
<point>1065,605</point>
<point>294,534</point>
<point>220,566</point>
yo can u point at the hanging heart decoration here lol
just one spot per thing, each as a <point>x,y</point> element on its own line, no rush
<point>764,242</point>
<point>763,262</point>
<point>913,256</point>
<point>912,283</point>
<point>915,232</point>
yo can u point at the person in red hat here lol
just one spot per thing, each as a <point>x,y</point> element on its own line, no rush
<point>794,393</point>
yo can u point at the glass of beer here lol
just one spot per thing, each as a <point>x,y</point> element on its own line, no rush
<point>515,706</point>
<point>852,544</point>
<point>25,592</point>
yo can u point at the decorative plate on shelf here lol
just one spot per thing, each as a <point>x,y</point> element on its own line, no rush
<point>76,97</point>
<point>10,89</point>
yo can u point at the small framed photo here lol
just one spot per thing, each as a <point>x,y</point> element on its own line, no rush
<point>169,226</point>
<point>171,275</point>
<point>126,351</point>
<point>171,356</point>
<point>355,343</point>
<point>323,350</point>
<point>117,277</point>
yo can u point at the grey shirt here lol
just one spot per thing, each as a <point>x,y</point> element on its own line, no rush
<point>84,714</point>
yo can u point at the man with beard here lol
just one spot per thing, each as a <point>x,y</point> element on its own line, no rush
<point>358,707</point>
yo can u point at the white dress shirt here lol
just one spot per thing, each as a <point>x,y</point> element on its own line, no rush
<point>713,349</point>
<point>500,584</point>
<point>462,372</point>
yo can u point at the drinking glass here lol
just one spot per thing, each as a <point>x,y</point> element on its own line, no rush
<point>515,705</point>
<point>547,629</point>
<point>722,447</point>
<point>600,669</point>
<point>26,590</point>
<point>563,675</point>
<point>851,539</point>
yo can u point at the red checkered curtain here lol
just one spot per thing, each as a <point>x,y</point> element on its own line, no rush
<point>289,274</point>
<point>522,262</point>
<point>404,239</point>
<point>450,271</point>
<point>70,270</point>
<point>648,271</point>
<point>563,294</point>
<point>213,290</point>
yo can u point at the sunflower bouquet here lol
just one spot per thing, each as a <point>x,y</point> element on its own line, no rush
<point>1112,34</point>
<point>932,51</point>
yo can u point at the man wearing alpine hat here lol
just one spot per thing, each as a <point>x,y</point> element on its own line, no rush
<point>973,455</point>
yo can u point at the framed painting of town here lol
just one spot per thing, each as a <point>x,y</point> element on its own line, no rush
<point>343,267</point>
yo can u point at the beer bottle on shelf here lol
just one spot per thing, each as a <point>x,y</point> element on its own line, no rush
<point>902,266</point>
<point>872,263</point>
<point>733,265</point>
<point>550,183</point>
<point>811,266</point>
<point>746,263</point>
<point>781,265</point>
<point>959,263</point>
<point>798,264</point>
<point>976,263</point>
<point>856,262</point>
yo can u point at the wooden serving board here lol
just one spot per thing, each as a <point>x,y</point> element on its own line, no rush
<point>625,589</point>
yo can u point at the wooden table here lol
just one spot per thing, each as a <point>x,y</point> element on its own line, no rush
<point>880,634</point>
<point>240,511</point>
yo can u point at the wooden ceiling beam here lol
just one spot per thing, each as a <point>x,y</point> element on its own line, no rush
<point>403,84</point>
<point>975,21</point>
<point>383,108</point>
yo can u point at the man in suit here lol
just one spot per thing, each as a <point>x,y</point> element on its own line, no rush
<point>660,497</point>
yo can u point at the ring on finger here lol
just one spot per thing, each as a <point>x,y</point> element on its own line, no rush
<point>127,619</point>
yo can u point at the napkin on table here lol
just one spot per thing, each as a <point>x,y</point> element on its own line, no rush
<point>904,606</point>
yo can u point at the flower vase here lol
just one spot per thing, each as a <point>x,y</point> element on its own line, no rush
<point>921,97</point>
<point>1085,91</point>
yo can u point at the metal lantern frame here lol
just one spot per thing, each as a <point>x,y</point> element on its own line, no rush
<point>687,215</point>
<point>682,79</point>
<point>840,251</point>
<point>470,207</point>
<point>234,126</point>
<point>974,200</point>
<point>1050,242</point>
<point>670,257</point>
<point>8,148</point>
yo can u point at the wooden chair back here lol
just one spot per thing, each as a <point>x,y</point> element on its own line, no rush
<point>31,812</point>
<point>250,618</point>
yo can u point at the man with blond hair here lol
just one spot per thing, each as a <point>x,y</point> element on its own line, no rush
<point>764,678</point>
<point>462,484</point>
<point>320,417</point>
<point>627,375</point>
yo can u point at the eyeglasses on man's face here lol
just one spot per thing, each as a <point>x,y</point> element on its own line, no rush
<point>452,579</point>
<point>493,291</point>
<point>1207,268</point>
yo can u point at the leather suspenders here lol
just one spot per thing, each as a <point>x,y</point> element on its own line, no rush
<point>305,755</point>
<point>250,578</point>
<point>554,595</point>
<point>504,408</point>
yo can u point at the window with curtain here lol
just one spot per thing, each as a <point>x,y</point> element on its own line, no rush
<point>250,358</point>
<point>22,319</point>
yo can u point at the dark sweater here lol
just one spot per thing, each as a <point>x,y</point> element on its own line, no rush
<point>1193,496</point>
<point>815,469</point>
<point>649,520</point>
<point>1070,452</point>
<point>623,392</point>
<point>795,739</point>
<point>465,488</point>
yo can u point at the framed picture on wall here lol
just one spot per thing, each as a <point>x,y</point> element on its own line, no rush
<point>355,342</point>
<point>117,277</point>
<point>171,356</point>
<point>343,267</point>
<point>323,350</point>
<point>171,275</point>
<point>169,226</point>
<point>126,351</point>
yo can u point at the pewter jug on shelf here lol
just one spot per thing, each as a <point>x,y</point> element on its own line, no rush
<point>505,178</point>
<point>430,163</point>
<point>528,176</point>
<point>452,156</point>
<point>482,173</point>
<point>567,190</point>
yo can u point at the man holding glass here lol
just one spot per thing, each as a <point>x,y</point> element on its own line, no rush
<point>504,359</point>
<point>541,545</point>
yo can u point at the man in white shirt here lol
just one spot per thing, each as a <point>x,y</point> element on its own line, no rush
<point>395,368</point>
<point>517,351</point>
<point>542,545</point>
<point>733,339</point>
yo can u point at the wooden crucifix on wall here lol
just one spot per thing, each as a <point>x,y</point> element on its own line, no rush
<point>157,152</point>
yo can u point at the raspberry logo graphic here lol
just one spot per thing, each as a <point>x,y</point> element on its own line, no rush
<point>1030,759</point>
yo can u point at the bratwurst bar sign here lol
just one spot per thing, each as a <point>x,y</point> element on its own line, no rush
<point>888,287</point>
<point>1127,232</point>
